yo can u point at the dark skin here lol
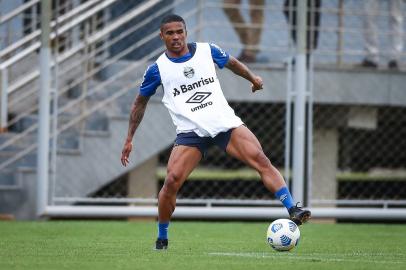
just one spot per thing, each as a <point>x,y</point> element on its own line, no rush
<point>243,144</point>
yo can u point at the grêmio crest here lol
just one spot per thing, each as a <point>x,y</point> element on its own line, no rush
<point>189,72</point>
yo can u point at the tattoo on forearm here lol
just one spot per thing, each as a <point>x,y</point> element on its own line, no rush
<point>137,113</point>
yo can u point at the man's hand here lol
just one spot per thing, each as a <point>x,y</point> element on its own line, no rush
<point>257,84</point>
<point>242,70</point>
<point>128,146</point>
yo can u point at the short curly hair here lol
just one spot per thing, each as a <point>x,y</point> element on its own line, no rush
<point>172,18</point>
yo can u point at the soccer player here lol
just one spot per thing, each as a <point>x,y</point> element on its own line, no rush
<point>202,116</point>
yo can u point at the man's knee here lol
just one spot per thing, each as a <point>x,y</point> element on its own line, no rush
<point>262,160</point>
<point>172,183</point>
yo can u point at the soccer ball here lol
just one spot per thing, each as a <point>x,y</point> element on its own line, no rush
<point>283,235</point>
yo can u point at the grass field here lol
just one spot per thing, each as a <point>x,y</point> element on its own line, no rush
<point>196,245</point>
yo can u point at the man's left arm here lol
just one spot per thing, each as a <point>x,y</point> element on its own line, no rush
<point>242,70</point>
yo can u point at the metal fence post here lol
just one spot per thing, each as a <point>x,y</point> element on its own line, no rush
<point>44,113</point>
<point>300,104</point>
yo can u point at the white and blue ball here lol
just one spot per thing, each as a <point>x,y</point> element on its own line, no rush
<point>283,235</point>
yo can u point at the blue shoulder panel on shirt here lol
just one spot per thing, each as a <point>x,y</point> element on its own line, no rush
<point>151,81</point>
<point>220,57</point>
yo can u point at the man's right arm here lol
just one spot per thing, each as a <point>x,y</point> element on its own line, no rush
<point>136,115</point>
<point>148,87</point>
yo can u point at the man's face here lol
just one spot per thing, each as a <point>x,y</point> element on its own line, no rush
<point>174,35</point>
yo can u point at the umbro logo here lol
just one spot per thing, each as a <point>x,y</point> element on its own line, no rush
<point>198,97</point>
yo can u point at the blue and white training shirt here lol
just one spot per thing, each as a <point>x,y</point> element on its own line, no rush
<point>152,78</point>
<point>192,91</point>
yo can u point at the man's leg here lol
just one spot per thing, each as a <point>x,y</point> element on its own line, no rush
<point>182,161</point>
<point>313,24</point>
<point>244,146</point>
<point>396,27</point>
<point>241,28</point>
<point>257,20</point>
<point>236,19</point>
<point>370,33</point>
<point>289,10</point>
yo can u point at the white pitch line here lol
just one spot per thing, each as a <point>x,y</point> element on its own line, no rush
<point>302,257</point>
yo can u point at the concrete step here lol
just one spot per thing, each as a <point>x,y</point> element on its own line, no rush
<point>69,139</point>
<point>8,180</point>
<point>28,160</point>
<point>5,139</point>
<point>24,123</point>
<point>97,121</point>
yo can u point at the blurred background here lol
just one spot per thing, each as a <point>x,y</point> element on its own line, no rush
<point>354,117</point>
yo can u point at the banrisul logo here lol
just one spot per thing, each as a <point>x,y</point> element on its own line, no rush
<point>189,72</point>
<point>189,87</point>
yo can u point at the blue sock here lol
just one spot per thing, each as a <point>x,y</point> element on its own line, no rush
<point>284,196</point>
<point>163,230</point>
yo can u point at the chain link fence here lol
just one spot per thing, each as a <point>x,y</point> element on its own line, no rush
<point>365,144</point>
<point>372,158</point>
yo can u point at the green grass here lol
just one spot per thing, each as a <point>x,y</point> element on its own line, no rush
<point>196,245</point>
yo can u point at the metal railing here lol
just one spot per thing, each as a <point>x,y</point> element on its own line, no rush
<point>71,19</point>
<point>18,11</point>
<point>87,41</point>
<point>60,20</point>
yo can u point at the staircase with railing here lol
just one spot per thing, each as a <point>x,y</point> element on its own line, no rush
<point>96,74</point>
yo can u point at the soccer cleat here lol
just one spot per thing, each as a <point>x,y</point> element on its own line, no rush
<point>161,244</point>
<point>299,215</point>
